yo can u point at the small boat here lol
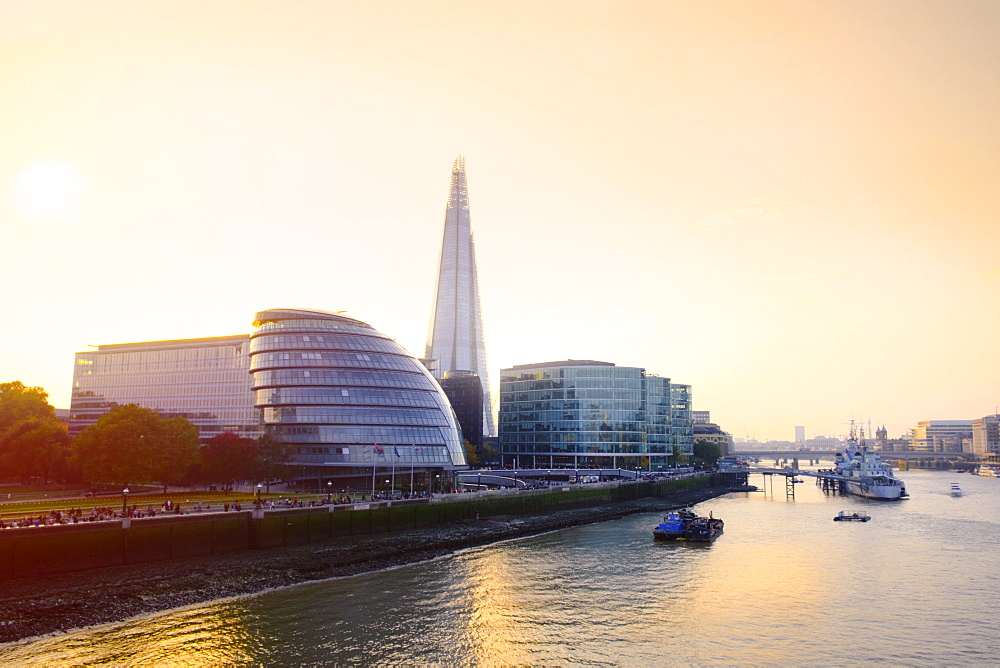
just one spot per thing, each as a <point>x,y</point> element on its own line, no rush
<point>685,526</point>
<point>744,488</point>
<point>955,489</point>
<point>851,517</point>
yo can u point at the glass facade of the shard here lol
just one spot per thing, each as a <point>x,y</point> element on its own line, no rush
<point>456,338</point>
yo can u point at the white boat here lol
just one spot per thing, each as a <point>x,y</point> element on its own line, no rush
<point>864,472</point>
<point>955,489</point>
<point>988,471</point>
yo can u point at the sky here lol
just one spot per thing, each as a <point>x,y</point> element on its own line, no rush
<point>791,206</point>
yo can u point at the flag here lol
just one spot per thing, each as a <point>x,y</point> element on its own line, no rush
<point>416,448</point>
<point>396,450</point>
<point>378,449</point>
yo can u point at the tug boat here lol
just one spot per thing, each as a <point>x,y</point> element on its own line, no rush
<point>851,517</point>
<point>685,526</point>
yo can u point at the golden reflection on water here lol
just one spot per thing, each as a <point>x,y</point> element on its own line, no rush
<point>490,627</point>
<point>210,635</point>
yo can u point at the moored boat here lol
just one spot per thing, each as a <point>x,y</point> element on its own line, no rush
<point>685,526</point>
<point>865,474</point>
<point>955,489</point>
<point>988,471</point>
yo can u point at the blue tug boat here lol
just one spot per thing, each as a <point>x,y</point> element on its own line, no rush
<point>684,525</point>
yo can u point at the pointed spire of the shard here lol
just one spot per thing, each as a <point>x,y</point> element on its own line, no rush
<point>456,337</point>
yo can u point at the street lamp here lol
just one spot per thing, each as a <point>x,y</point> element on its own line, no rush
<point>387,487</point>
<point>329,489</point>
<point>437,481</point>
<point>548,478</point>
<point>259,486</point>
<point>124,500</point>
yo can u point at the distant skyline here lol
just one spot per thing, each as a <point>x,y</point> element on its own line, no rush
<point>791,205</point>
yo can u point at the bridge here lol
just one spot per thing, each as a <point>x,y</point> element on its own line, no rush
<point>830,454</point>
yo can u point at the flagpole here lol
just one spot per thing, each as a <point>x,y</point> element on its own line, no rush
<point>393,490</point>
<point>373,474</point>
<point>411,468</point>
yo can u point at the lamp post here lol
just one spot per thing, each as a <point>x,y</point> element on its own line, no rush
<point>329,489</point>
<point>437,481</point>
<point>548,478</point>
<point>259,486</point>
<point>387,487</point>
<point>124,501</point>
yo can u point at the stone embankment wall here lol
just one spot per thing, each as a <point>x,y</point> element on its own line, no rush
<point>36,551</point>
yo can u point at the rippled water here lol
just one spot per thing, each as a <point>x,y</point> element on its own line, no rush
<point>783,585</point>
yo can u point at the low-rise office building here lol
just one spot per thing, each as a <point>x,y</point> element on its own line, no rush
<point>590,414</point>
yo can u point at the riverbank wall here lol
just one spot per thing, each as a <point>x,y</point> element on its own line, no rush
<point>40,551</point>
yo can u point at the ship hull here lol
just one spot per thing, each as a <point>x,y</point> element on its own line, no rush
<point>870,491</point>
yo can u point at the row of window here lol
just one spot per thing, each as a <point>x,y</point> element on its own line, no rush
<point>374,434</point>
<point>332,359</point>
<point>350,396</point>
<point>371,416</point>
<point>310,325</point>
<point>559,375</point>
<point>335,377</point>
<point>587,395</point>
<point>330,342</point>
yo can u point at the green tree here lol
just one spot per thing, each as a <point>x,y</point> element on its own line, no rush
<point>707,452</point>
<point>131,444</point>
<point>176,451</point>
<point>272,456</point>
<point>227,458</point>
<point>19,402</point>
<point>34,447</point>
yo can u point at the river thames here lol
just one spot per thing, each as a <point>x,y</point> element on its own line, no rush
<point>784,585</point>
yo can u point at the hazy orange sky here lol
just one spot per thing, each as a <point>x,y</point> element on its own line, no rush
<point>790,205</point>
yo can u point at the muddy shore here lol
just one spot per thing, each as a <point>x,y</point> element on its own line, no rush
<point>40,606</point>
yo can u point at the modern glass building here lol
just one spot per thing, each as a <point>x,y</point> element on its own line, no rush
<point>584,413</point>
<point>455,341</point>
<point>348,399</point>
<point>204,380</point>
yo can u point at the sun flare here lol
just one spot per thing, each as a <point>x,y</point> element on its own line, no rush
<point>49,191</point>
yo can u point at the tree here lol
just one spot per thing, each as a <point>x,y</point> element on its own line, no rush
<point>272,455</point>
<point>707,452</point>
<point>227,458</point>
<point>19,402</point>
<point>176,451</point>
<point>34,447</point>
<point>134,444</point>
<point>471,456</point>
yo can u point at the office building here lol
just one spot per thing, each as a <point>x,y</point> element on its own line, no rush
<point>205,380</point>
<point>585,413</point>
<point>465,393</point>
<point>941,436</point>
<point>455,341</point>
<point>986,436</point>
<point>800,435</point>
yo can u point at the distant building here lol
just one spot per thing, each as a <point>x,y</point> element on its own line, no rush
<point>941,436</point>
<point>701,417</point>
<point>986,436</point>
<point>713,433</point>
<point>800,434</point>
<point>584,413</point>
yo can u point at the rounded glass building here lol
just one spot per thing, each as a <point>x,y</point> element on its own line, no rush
<point>347,399</point>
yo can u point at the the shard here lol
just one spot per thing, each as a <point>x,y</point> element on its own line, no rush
<point>456,337</point>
